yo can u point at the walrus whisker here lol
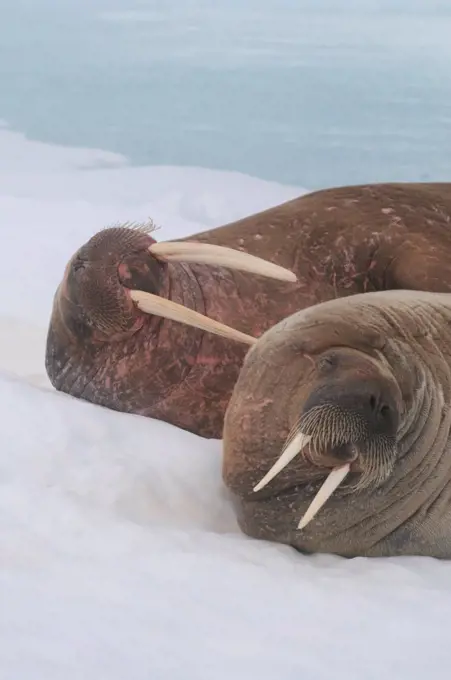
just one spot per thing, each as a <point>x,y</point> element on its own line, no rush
<point>206,253</point>
<point>295,446</point>
<point>377,467</point>
<point>146,227</point>
<point>154,304</point>
<point>332,481</point>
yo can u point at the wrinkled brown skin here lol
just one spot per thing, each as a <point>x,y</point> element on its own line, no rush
<point>342,352</point>
<point>338,242</point>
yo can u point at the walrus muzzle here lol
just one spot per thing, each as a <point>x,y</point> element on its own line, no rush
<point>345,428</point>
<point>120,269</point>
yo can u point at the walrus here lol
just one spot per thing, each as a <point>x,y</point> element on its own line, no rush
<point>162,329</point>
<point>337,436</point>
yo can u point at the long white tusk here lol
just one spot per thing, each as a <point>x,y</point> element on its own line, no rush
<point>206,253</point>
<point>291,451</point>
<point>332,481</point>
<point>153,304</point>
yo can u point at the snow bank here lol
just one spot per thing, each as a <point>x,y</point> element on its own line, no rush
<point>120,556</point>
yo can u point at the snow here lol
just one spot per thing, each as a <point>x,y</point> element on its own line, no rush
<point>120,555</point>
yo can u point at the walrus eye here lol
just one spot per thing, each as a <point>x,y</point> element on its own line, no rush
<point>328,363</point>
<point>153,304</point>
<point>206,253</point>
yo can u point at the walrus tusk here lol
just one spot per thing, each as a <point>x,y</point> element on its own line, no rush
<point>206,253</point>
<point>332,481</point>
<point>294,447</point>
<point>153,304</point>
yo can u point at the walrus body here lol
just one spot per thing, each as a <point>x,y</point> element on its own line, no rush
<point>337,242</point>
<point>363,383</point>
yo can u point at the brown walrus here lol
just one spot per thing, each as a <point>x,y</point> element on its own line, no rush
<point>103,346</point>
<point>337,437</point>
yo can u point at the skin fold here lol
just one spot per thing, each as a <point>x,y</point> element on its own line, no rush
<point>338,242</point>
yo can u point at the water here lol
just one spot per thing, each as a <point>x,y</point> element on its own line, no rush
<point>307,92</point>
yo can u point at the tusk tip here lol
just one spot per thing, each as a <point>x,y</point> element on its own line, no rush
<point>290,451</point>
<point>291,276</point>
<point>332,481</point>
<point>259,486</point>
<point>304,521</point>
<point>263,482</point>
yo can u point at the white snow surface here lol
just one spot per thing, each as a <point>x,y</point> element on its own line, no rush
<point>120,555</point>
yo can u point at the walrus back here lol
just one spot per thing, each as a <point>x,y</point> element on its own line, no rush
<point>348,203</point>
<point>406,313</point>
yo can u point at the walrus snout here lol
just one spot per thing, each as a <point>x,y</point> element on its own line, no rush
<point>93,294</point>
<point>351,410</point>
<point>341,453</point>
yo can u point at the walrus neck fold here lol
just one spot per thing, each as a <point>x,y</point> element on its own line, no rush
<point>239,299</point>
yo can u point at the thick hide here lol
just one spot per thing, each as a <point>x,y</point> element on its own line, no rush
<point>104,348</point>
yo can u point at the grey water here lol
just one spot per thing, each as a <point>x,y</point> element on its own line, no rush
<point>308,92</point>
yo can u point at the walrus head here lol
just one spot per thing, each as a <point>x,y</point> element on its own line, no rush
<point>317,399</point>
<point>148,328</point>
<point>118,274</point>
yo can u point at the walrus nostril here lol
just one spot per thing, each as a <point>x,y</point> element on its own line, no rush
<point>379,408</point>
<point>378,412</point>
<point>384,410</point>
